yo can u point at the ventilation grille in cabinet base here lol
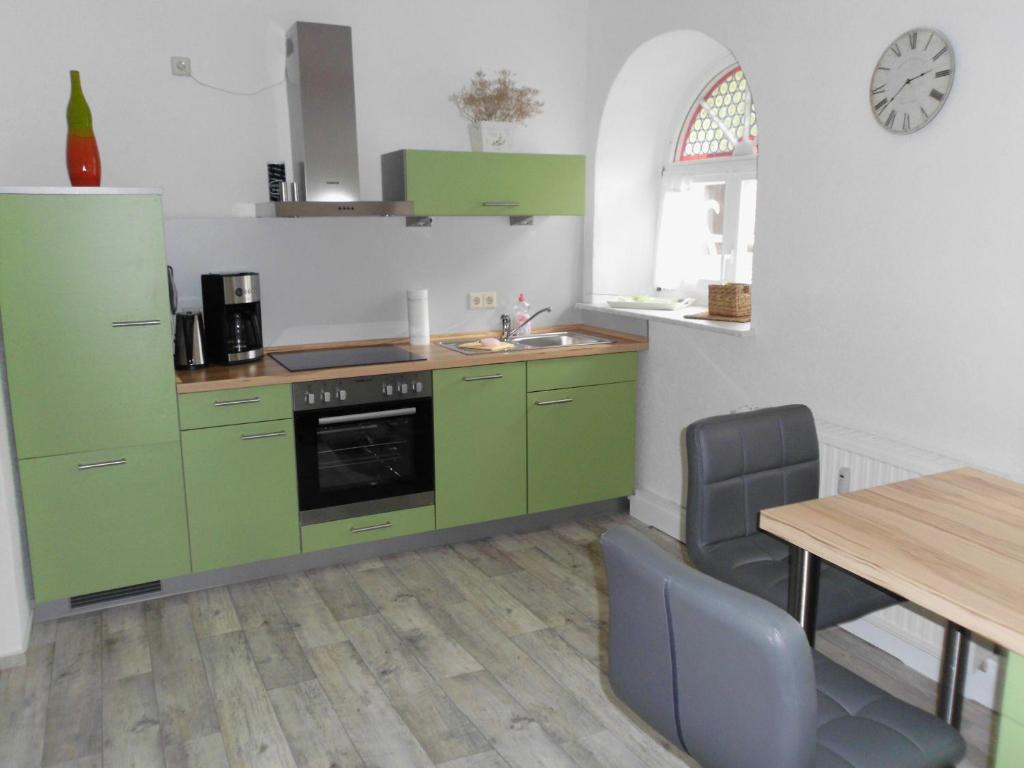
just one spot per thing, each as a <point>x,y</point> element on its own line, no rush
<point>80,601</point>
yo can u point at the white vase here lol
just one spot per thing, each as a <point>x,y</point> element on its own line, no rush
<point>491,136</point>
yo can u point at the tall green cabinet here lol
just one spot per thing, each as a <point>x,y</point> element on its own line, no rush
<point>87,347</point>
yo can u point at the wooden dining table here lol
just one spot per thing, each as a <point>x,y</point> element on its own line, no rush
<point>952,543</point>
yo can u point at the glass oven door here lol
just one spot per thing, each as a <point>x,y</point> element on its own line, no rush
<point>364,459</point>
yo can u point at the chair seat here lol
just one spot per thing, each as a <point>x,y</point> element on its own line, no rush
<point>759,564</point>
<point>861,726</point>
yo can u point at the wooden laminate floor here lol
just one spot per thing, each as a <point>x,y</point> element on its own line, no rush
<point>480,655</point>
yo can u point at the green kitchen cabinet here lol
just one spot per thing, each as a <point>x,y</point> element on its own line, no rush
<point>580,371</point>
<point>197,410</point>
<point>582,442</point>
<point>479,443</point>
<point>104,519</point>
<point>1010,742</point>
<point>242,495</point>
<point>486,183</point>
<point>358,530</point>
<point>86,321</point>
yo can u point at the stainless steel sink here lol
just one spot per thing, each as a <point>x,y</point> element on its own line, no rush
<point>537,341</point>
<point>559,339</point>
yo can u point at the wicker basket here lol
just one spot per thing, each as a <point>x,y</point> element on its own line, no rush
<point>729,300</point>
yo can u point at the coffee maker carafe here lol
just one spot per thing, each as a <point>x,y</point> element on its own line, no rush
<point>231,304</point>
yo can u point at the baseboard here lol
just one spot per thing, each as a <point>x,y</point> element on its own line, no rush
<point>661,513</point>
<point>57,609</point>
<point>983,673</point>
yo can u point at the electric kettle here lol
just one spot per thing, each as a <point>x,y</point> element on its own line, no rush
<point>189,341</point>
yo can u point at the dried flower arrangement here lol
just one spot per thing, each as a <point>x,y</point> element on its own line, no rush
<point>499,99</point>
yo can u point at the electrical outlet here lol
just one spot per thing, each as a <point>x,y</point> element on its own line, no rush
<point>483,300</point>
<point>181,66</point>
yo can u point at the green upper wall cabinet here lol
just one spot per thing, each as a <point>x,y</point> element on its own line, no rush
<point>485,183</point>
<point>479,443</point>
<point>86,322</point>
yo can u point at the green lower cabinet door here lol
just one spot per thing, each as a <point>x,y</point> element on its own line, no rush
<point>103,520</point>
<point>357,530</point>
<point>243,503</point>
<point>1010,736</point>
<point>479,443</point>
<point>582,443</point>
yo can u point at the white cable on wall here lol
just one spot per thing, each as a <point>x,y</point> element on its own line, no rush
<point>236,93</point>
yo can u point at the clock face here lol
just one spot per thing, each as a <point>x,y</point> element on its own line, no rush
<point>912,80</point>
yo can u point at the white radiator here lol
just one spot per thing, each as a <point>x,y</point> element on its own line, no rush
<point>852,460</point>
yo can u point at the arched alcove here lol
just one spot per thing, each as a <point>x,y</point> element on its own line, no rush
<point>649,97</point>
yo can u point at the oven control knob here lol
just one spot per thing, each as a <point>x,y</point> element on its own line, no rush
<point>310,397</point>
<point>389,389</point>
<point>418,386</point>
<point>341,394</point>
<point>326,396</point>
<point>403,388</point>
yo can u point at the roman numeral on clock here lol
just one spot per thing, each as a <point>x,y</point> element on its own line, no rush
<point>938,55</point>
<point>944,73</point>
<point>881,105</point>
<point>890,119</point>
<point>895,48</point>
<point>878,90</point>
<point>937,95</point>
<point>906,123</point>
<point>913,40</point>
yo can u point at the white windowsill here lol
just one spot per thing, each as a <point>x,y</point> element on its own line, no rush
<point>679,317</point>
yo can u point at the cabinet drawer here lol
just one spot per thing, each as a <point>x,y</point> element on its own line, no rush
<point>234,406</point>
<point>102,520</point>
<point>580,371</point>
<point>386,525</point>
<point>243,502</point>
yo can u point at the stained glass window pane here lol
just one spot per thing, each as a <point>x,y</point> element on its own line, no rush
<point>717,120</point>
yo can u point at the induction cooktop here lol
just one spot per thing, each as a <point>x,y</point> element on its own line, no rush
<point>343,358</point>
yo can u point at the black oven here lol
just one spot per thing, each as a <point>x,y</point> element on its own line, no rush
<point>363,445</point>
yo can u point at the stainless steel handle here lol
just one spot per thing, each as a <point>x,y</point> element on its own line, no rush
<point>500,204</point>
<point>562,401</point>
<point>489,377</point>
<point>350,417</point>
<point>244,401</point>
<point>264,435</point>
<point>100,464</point>
<point>133,323</point>
<point>378,527</point>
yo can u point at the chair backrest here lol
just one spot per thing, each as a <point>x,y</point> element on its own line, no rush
<point>742,463</point>
<point>725,675</point>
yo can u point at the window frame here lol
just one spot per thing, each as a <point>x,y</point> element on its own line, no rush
<point>730,170</point>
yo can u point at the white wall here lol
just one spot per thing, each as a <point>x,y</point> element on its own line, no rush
<point>888,279</point>
<point>322,280</point>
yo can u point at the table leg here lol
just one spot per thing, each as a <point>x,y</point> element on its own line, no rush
<point>952,674</point>
<point>804,572</point>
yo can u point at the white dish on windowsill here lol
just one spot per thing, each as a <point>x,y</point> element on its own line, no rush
<point>668,305</point>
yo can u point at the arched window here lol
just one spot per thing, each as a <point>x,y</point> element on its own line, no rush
<point>709,191</point>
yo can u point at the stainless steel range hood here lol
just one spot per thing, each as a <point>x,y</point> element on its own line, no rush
<point>322,113</point>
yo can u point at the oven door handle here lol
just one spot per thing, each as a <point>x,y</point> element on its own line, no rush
<point>348,418</point>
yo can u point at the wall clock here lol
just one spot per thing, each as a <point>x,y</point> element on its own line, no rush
<point>912,80</point>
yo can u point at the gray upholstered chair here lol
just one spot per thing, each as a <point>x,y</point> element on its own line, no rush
<point>731,680</point>
<point>740,464</point>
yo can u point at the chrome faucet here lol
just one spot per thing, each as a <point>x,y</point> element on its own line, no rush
<point>508,333</point>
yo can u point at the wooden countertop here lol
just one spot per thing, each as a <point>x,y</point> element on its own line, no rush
<point>952,543</point>
<point>268,371</point>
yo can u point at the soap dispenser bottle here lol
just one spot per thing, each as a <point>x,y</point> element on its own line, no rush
<point>521,314</point>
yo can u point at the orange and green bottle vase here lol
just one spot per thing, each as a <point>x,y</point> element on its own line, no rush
<point>83,155</point>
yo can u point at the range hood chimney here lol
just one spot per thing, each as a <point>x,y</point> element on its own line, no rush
<point>322,112</point>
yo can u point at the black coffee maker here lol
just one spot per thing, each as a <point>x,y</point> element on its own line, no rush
<point>231,304</point>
